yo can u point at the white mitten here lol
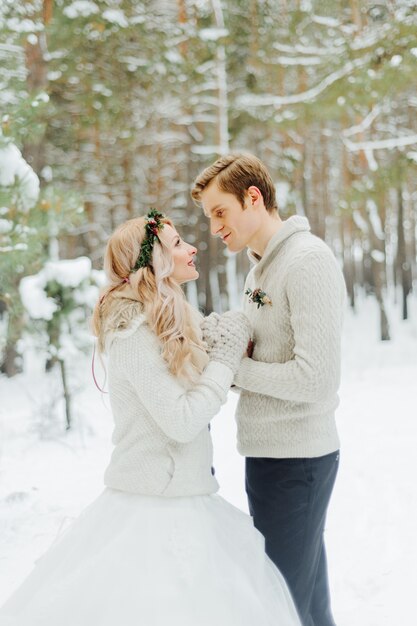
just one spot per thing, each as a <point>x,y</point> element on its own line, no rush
<point>209,329</point>
<point>228,340</point>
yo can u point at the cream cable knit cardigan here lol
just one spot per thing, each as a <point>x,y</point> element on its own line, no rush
<point>289,386</point>
<point>161,437</point>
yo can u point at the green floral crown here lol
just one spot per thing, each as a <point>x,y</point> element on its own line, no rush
<point>152,228</point>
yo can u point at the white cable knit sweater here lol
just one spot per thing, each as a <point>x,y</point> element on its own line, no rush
<point>161,437</point>
<point>289,386</point>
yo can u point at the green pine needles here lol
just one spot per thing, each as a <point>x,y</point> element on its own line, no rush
<point>152,228</point>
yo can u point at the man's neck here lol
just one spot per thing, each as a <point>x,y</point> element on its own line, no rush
<point>269,227</point>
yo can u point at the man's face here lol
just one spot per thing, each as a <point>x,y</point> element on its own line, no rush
<point>228,220</point>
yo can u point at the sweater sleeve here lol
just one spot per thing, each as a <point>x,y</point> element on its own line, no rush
<point>180,413</point>
<point>316,295</point>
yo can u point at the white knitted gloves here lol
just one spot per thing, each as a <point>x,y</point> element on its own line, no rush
<point>227,337</point>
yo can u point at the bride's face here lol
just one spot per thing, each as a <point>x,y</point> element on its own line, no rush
<point>183,255</point>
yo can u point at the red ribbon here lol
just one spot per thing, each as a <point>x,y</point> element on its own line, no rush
<point>92,371</point>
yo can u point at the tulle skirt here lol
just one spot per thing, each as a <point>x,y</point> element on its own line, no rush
<point>133,560</point>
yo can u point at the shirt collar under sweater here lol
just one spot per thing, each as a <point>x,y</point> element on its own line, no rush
<point>294,224</point>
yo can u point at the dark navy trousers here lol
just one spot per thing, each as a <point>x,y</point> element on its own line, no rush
<point>288,499</point>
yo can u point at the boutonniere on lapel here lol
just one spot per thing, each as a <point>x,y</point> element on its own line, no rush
<point>258,296</point>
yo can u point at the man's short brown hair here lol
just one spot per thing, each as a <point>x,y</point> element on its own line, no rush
<point>235,173</point>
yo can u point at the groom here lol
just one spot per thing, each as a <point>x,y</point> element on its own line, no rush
<point>294,298</point>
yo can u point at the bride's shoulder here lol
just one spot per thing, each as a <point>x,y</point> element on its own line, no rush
<point>125,323</point>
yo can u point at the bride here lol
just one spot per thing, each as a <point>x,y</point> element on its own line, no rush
<point>158,546</point>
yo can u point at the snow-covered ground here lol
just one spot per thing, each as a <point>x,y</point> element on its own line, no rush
<point>47,476</point>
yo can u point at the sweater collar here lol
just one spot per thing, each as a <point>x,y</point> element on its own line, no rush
<point>294,224</point>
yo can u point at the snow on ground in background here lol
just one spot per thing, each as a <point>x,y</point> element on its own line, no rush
<point>371,523</point>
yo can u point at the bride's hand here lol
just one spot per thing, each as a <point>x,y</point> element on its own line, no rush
<point>227,339</point>
<point>209,329</point>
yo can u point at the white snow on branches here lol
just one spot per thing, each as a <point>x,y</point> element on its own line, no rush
<point>81,8</point>
<point>283,60</point>
<point>366,122</point>
<point>381,144</point>
<point>305,96</point>
<point>5,226</point>
<point>305,50</point>
<point>23,25</point>
<point>69,273</point>
<point>34,298</point>
<point>116,16</point>
<point>375,219</point>
<point>396,60</point>
<point>15,170</point>
<point>372,162</point>
<point>212,34</point>
<point>324,20</point>
<point>359,221</point>
<point>378,256</point>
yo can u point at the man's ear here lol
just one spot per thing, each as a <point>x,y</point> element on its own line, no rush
<point>254,195</point>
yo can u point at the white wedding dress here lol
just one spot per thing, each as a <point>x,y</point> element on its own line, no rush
<point>135,560</point>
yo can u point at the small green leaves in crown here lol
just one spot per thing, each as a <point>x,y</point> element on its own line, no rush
<point>152,228</point>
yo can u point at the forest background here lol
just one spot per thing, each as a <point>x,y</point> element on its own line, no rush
<point>110,107</point>
<point>115,106</point>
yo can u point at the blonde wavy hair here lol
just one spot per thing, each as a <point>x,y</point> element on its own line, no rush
<point>152,291</point>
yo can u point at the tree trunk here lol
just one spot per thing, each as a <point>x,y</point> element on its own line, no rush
<point>403,265</point>
<point>377,257</point>
<point>37,80</point>
<point>356,14</point>
<point>67,396</point>
<point>11,363</point>
<point>348,260</point>
<point>10,366</point>
<point>223,113</point>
